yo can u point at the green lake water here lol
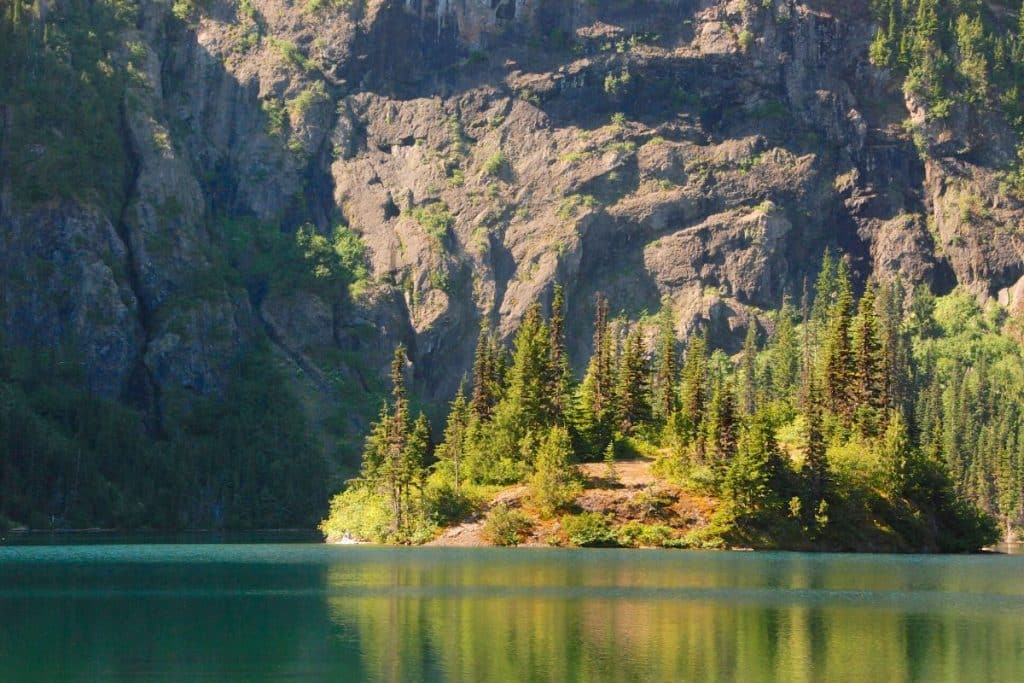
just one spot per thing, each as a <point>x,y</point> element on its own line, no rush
<point>304,611</point>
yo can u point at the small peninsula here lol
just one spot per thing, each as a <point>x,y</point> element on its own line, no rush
<point>828,435</point>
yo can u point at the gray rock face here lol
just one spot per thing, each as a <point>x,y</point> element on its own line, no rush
<point>65,285</point>
<point>485,151</point>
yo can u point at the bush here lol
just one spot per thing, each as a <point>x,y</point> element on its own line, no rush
<point>436,220</point>
<point>359,512</point>
<point>639,534</point>
<point>505,526</point>
<point>494,163</point>
<point>589,529</point>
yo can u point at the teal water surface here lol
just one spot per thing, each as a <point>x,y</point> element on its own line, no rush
<point>271,612</point>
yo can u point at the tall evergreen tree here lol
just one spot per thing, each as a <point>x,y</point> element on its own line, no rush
<point>748,370</point>
<point>784,358</point>
<point>632,391</point>
<point>529,375</point>
<point>451,451</point>
<point>896,454</point>
<point>807,350</point>
<point>722,425</point>
<point>666,370</point>
<point>485,376</point>
<point>895,345</point>
<point>693,391</point>
<point>838,356</point>
<point>815,470</point>
<point>755,483</point>
<point>825,289</point>
<point>868,387</point>
<point>594,411</point>
<point>559,375</point>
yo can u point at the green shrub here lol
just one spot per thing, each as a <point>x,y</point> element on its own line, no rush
<point>589,529</point>
<point>359,512</point>
<point>436,220</point>
<point>292,54</point>
<point>494,163</point>
<point>637,533</point>
<point>505,526</point>
<point>745,39</point>
<point>305,100</point>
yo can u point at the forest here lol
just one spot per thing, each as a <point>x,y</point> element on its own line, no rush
<point>890,408</point>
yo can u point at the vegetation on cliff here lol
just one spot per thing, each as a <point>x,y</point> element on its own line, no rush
<point>856,424</point>
<point>218,217</point>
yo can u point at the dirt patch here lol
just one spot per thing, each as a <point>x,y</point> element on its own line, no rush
<point>633,494</point>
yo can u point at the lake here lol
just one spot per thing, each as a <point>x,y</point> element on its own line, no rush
<point>305,611</point>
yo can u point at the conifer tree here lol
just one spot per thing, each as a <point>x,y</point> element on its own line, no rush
<point>784,358</point>
<point>485,376</point>
<point>553,484</point>
<point>528,376</point>
<point>632,392</point>
<point>896,455</point>
<point>693,392</point>
<point>397,438</point>
<point>413,465</point>
<point>868,380</point>
<point>666,371</point>
<point>895,350</point>
<point>825,289</point>
<point>594,412</point>
<point>748,370</point>
<point>815,469</point>
<point>559,375</point>
<point>838,356</point>
<point>755,482</point>
<point>807,348</point>
<point>451,451</point>
<point>604,353</point>
<point>722,425</point>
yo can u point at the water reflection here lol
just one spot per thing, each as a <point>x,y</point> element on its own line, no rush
<point>626,616</point>
<point>278,612</point>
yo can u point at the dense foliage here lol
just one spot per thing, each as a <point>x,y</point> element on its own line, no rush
<point>855,424</point>
<point>62,89</point>
<point>956,53</point>
<point>69,459</point>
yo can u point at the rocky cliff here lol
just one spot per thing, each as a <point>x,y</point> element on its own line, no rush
<point>698,152</point>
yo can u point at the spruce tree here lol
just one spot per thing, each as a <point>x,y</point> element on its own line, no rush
<point>825,289</point>
<point>896,455</point>
<point>755,483</point>
<point>784,354</point>
<point>666,371</point>
<point>632,391</point>
<point>553,484</point>
<point>895,345</point>
<point>594,409</point>
<point>529,374</point>
<point>559,375</point>
<point>838,356</point>
<point>451,451</point>
<point>807,350</point>
<point>392,472</point>
<point>748,370</point>
<point>868,364</point>
<point>722,425</point>
<point>815,469</point>
<point>413,466</point>
<point>693,392</point>
<point>484,376</point>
